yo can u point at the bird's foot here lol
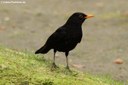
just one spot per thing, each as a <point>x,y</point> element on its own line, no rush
<point>54,65</point>
<point>67,67</point>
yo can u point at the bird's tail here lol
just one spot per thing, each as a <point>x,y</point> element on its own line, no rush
<point>43,50</point>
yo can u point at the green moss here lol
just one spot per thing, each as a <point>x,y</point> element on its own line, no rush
<point>18,68</point>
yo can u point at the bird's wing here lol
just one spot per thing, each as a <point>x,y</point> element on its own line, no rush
<point>57,37</point>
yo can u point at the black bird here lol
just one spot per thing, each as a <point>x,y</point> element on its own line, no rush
<point>66,37</point>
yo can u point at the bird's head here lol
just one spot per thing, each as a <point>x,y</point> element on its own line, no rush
<point>78,18</point>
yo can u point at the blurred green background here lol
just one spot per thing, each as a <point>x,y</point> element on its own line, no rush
<point>26,27</point>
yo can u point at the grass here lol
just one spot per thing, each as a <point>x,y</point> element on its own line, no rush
<point>18,68</point>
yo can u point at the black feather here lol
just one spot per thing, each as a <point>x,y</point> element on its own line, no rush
<point>66,37</point>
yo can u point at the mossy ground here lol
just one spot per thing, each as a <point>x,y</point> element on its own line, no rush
<point>19,68</point>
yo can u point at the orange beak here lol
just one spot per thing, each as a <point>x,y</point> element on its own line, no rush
<point>89,16</point>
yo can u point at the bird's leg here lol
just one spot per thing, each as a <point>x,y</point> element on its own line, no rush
<point>66,54</point>
<point>53,64</point>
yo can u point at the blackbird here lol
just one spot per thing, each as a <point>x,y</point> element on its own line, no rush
<point>66,37</point>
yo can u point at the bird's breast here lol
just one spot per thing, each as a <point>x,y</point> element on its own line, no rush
<point>68,44</point>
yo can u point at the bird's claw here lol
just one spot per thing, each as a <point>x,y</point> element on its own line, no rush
<point>54,65</point>
<point>67,67</point>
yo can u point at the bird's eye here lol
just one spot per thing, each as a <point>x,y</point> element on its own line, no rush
<point>80,16</point>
